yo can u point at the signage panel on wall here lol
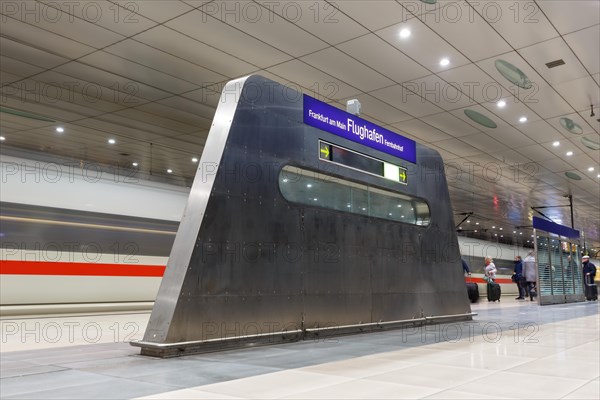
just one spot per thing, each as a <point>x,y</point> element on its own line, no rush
<point>338,122</point>
<point>558,229</point>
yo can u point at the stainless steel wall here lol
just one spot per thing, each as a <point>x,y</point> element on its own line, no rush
<point>246,262</point>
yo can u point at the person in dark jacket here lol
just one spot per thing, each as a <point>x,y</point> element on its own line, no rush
<point>518,277</point>
<point>589,272</point>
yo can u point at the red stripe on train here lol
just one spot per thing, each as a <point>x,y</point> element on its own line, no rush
<point>480,280</point>
<point>79,269</point>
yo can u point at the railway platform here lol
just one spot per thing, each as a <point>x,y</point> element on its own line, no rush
<point>512,349</point>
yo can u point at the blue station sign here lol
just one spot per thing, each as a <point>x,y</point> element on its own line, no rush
<point>553,227</point>
<point>333,120</point>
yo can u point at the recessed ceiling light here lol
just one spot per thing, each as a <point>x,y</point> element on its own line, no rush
<point>476,223</point>
<point>501,104</point>
<point>309,185</point>
<point>194,159</point>
<point>468,221</point>
<point>2,138</point>
<point>494,227</point>
<point>169,171</point>
<point>569,153</point>
<point>556,144</point>
<point>404,33</point>
<point>444,62</point>
<point>590,169</point>
<point>60,129</point>
<point>523,119</point>
<point>514,231</point>
<point>134,164</point>
<point>112,141</point>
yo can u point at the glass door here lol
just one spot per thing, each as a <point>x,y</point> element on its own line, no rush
<point>560,278</point>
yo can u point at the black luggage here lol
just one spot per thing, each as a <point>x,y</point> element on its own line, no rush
<point>493,291</point>
<point>473,291</point>
<point>591,289</point>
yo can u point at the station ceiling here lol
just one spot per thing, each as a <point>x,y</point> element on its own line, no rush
<point>148,75</point>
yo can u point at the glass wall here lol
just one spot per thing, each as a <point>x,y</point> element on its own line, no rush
<point>560,278</point>
<point>319,190</point>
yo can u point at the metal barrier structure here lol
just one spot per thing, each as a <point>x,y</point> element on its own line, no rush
<point>304,219</point>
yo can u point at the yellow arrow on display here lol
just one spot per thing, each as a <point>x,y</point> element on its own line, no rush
<point>325,151</point>
<point>403,175</point>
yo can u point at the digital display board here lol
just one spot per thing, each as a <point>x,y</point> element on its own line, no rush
<point>361,162</point>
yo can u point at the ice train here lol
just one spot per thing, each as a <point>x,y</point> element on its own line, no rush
<point>72,242</point>
<point>82,239</point>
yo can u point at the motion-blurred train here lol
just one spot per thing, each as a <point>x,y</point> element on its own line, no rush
<point>80,240</point>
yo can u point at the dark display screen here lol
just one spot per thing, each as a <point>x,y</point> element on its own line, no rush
<point>355,160</point>
<point>361,162</point>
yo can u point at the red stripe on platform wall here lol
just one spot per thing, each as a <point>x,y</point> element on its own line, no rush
<point>79,269</point>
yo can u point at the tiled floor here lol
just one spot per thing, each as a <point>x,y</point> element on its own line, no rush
<point>510,350</point>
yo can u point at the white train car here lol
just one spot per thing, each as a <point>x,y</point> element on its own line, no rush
<point>474,252</point>
<point>75,238</point>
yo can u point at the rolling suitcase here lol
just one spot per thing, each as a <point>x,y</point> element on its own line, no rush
<point>473,291</point>
<point>493,291</point>
<point>591,289</point>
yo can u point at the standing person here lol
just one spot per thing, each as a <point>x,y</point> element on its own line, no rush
<point>530,274</point>
<point>490,269</point>
<point>589,272</point>
<point>518,277</point>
